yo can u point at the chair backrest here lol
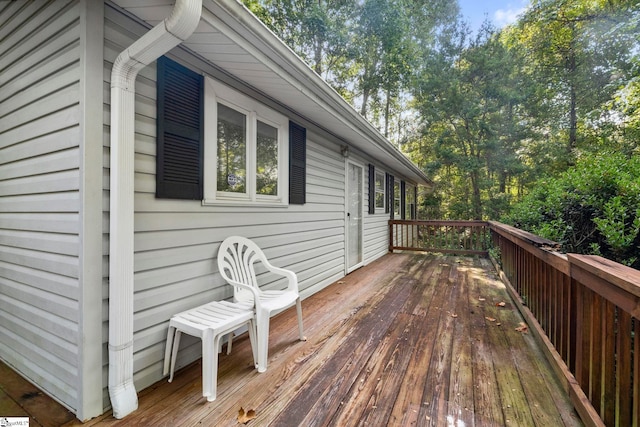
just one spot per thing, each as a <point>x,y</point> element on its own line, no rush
<point>236,259</point>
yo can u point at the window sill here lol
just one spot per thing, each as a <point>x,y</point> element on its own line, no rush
<point>245,203</point>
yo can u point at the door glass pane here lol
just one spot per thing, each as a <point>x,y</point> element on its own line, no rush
<point>232,150</point>
<point>355,216</point>
<point>267,160</point>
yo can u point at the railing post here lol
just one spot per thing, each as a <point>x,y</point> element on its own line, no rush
<point>391,236</point>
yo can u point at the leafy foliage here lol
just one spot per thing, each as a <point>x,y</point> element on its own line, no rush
<point>593,207</point>
<point>578,53</point>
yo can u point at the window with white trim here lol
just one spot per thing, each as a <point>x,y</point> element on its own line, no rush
<point>396,200</point>
<point>380,191</point>
<point>245,149</point>
<point>410,203</point>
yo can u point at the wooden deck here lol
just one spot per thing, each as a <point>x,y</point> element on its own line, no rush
<point>411,339</point>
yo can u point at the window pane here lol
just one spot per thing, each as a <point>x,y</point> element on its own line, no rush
<point>379,190</point>
<point>396,200</point>
<point>410,202</point>
<point>267,160</point>
<point>232,150</point>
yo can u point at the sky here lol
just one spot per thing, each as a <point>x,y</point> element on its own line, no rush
<point>500,12</point>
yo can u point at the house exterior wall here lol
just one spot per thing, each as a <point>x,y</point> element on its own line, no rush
<point>376,235</point>
<point>55,67</point>
<point>43,188</point>
<point>176,241</point>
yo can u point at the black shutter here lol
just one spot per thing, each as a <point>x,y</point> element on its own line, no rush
<point>180,132</point>
<point>372,189</point>
<point>388,186</point>
<point>297,164</point>
<point>392,196</point>
<point>414,213</point>
<point>403,201</point>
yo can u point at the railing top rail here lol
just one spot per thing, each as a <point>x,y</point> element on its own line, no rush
<point>460,223</point>
<point>537,241</point>
<point>620,275</point>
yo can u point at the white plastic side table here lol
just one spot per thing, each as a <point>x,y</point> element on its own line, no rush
<point>209,322</point>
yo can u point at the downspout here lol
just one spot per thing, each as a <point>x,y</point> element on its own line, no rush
<point>175,29</point>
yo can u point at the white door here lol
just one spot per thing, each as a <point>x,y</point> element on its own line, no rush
<point>355,179</point>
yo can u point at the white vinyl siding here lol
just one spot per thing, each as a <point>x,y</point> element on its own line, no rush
<point>376,237</point>
<point>176,241</point>
<point>376,228</point>
<point>40,144</point>
<point>176,244</point>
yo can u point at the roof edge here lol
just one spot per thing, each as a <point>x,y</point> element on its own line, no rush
<point>293,65</point>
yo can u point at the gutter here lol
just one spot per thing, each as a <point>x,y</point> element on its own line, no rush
<point>175,29</point>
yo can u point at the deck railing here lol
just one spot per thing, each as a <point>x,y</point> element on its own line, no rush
<point>451,237</point>
<point>584,309</point>
<point>587,310</point>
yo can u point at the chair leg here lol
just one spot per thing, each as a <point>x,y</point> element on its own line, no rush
<point>252,340</point>
<point>174,353</point>
<point>167,350</point>
<point>229,342</point>
<point>208,352</point>
<point>214,369</point>
<point>262,324</point>
<point>299,310</point>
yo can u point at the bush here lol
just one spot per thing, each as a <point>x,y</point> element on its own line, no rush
<point>593,208</point>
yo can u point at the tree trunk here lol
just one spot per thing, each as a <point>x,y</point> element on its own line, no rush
<point>317,67</point>
<point>476,202</point>
<point>368,75</point>
<point>503,181</point>
<point>573,125</point>
<point>365,100</point>
<point>387,109</point>
<point>573,104</point>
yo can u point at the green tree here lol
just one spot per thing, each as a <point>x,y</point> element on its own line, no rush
<point>391,37</point>
<point>470,108</point>
<point>317,30</point>
<point>578,62</point>
<point>364,49</point>
<point>383,53</point>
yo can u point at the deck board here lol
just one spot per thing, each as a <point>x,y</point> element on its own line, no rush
<point>487,408</point>
<point>19,398</point>
<point>405,341</point>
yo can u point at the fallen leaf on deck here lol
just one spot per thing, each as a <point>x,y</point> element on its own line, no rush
<point>341,282</point>
<point>246,417</point>
<point>490,319</point>
<point>481,299</point>
<point>501,304</point>
<point>522,328</point>
<point>454,315</point>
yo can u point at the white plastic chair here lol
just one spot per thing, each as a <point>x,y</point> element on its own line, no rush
<point>236,262</point>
